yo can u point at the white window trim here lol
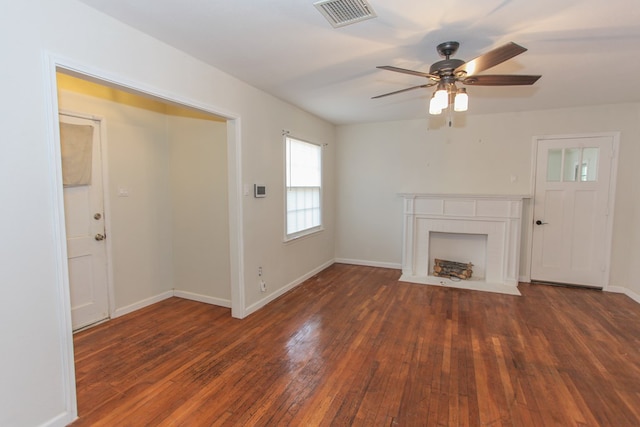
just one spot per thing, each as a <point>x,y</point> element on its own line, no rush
<point>313,230</point>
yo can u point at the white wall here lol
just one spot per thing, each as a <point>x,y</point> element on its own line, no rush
<point>36,380</point>
<point>284,264</point>
<point>198,166</point>
<point>376,161</point>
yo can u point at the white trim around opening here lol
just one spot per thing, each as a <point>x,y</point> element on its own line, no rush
<point>53,63</point>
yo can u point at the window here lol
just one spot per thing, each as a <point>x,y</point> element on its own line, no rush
<point>303,187</point>
<point>572,164</point>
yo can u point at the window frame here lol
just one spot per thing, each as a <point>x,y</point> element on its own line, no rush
<point>288,237</point>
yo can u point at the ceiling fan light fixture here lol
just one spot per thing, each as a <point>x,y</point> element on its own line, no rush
<point>461,101</point>
<point>434,107</point>
<point>441,96</point>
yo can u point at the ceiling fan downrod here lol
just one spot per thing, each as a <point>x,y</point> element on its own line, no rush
<point>447,66</point>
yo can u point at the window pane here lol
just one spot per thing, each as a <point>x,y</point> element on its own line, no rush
<point>589,170</point>
<point>303,185</point>
<point>572,168</point>
<point>303,164</point>
<point>303,208</point>
<point>554,165</point>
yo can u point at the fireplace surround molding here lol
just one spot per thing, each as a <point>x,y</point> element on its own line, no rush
<point>498,217</point>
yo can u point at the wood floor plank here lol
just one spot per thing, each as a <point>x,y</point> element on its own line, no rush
<point>353,346</point>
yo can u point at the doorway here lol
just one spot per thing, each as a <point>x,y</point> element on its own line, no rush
<point>169,195</point>
<point>55,64</point>
<point>573,209</point>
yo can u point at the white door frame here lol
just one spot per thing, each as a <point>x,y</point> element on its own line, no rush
<point>610,204</point>
<point>53,62</point>
<point>106,206</point>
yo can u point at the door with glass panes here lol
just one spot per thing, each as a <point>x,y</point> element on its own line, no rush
<point>571,236</point>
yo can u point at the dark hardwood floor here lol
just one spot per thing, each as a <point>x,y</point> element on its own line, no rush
<point>353,346</point>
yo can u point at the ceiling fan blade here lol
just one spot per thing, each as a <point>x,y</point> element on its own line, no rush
<point>491,59</point>
<point>403,90</point>
<point>405,71</point>
<point>500,80</point>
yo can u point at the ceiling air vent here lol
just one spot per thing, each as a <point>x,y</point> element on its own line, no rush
<point>345,12</point>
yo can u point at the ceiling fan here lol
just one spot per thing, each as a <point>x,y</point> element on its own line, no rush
<point>447,72</point>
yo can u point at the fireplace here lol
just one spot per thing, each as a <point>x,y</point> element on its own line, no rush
<point>459,247</point>
<point>484,230</point>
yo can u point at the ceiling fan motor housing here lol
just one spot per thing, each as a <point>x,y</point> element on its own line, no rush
<point>445,67</point>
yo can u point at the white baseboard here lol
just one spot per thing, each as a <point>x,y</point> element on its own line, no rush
<point>524,279</point>
<point>141,304</point>
<point>61,420</point>
<point>366,263</point>
<point>620,290</point>
<point>202,298</point>
<point>258,305</point>
<point>168,294</point>
<point>253,307</point>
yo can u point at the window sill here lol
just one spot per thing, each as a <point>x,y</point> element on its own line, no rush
<point>303,235</point>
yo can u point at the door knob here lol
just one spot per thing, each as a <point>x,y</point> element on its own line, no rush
<point>100,237</point>
<point>538,222</point>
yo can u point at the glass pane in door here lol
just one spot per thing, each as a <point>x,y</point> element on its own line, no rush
<point>589,170</point>
<point>572,168</point>
<point>554,165</point>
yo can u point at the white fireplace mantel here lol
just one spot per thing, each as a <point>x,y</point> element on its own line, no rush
<point>498,217</point>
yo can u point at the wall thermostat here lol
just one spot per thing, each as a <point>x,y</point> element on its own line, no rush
<point>259,190</point>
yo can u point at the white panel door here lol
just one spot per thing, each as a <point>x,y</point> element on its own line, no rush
<point>86,248</point>
<point>570,232</point>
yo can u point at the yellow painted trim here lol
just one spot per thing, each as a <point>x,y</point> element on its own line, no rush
<point>86,87</point>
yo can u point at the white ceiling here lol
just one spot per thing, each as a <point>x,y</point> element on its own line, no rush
<point>587,51</point>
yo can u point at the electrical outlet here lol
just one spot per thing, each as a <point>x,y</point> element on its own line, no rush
<point>260,271</point>
<point>263,286</point>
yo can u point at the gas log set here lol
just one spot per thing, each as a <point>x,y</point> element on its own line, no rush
<point>452,269</point>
